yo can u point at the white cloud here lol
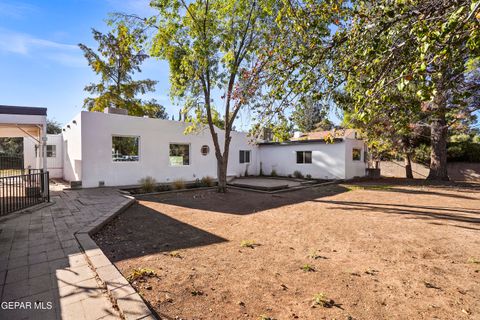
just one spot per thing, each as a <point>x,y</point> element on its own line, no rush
<point>27,45</point>
<point>16,10</point>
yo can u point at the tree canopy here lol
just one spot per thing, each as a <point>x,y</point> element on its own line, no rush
<point>118,57</point>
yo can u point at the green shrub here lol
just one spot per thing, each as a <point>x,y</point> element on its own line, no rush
<point>273,173</point>
<point>320,299</point>
<point>147,184</point>
<point>308,176</point>
<point>207,181</point>
<point>297,174</point>
<point>178,184</point>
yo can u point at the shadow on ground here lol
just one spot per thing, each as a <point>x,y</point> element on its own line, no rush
<point>243,202</point>
<point>163,233</point>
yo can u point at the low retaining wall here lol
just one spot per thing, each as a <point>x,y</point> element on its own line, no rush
<point>458,171</point>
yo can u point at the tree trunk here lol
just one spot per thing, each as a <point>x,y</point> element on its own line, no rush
<point>222,176</point>
<point>408,166</point>
<point>438,129</point>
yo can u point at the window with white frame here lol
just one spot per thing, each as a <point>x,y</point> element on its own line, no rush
<point>179,154</point>
<point>51,151</point>
<point>244,156</point>
<point>125,149</point>
<point>304,157</point>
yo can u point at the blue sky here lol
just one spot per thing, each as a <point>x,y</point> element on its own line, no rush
<point>40,62</point>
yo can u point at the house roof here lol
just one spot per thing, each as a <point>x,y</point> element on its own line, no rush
<point>322,135</point>
<point>32,111</point>
<point>293,142</point>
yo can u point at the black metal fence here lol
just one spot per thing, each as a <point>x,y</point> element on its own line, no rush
<point>11,165</point>
<point>23,191</point>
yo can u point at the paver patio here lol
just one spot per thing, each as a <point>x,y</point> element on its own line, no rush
<point>41,262</point>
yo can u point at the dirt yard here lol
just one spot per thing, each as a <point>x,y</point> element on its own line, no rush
<point>376,250</point>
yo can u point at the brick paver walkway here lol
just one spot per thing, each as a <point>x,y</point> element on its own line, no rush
<point>41,264</point>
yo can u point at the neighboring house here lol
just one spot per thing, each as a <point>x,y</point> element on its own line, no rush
<point>114,149</point>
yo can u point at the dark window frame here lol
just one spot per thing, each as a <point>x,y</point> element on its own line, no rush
<point>304,157</point>
<point>244,156</point>
<point>186,161</point>
<point>126,157</point>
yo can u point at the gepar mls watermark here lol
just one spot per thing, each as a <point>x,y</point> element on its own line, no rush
<point>26,305</point>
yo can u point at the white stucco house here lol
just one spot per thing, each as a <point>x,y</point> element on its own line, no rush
<point>112,149</point>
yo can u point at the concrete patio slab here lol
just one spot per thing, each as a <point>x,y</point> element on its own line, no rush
<point>44,271</point>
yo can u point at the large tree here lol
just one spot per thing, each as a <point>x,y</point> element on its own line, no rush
<point>216,46</point>
<point>118,57</point>
<point>396,45</point>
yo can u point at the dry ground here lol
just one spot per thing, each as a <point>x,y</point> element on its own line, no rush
<point>379,250</point>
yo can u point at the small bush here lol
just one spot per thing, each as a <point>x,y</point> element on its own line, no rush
<point>248,244</point>
<point>297,174</point>
<point>473,260</point>
<point>308,176</point>
<point>273,173</point>
<point>320,299</point>
<point>141,273</point>
<point>178,184</point>
<point>307,268</point>
<point>147,184</point>
<point>207,181</point>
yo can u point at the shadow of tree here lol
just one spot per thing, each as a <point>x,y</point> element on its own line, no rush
<point>419,211</point>
<point>242,202</point>
<point>163,232</point>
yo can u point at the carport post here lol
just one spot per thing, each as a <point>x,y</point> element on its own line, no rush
<point>43,140</point>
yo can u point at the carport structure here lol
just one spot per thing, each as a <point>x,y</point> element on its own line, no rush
<point>23,189</point>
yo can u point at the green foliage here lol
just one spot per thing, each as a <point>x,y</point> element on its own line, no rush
<point>248,244</point>
<point>11,146</point>
<point>311,116</point>
<point>53,127</point>
<point>297,174</point>
<point>273,173</point>
<point>393,49</point>
<point>320,299</point>
<point>148,184</point>
<point>307,268</point>
<point>308,176</point>
<point>141,273</point>
<point>118,57</point>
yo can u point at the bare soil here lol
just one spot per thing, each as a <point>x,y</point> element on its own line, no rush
<point>386,249</point>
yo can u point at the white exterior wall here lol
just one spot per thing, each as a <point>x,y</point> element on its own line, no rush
<point>241,141</point>
<point>354,168</point>
<point>54,164</point>
<point>155,135</point>
<point>328,160</point>
<point>72,150</point>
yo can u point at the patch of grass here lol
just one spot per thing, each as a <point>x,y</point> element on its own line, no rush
<point>297,174</point>
<point>175,254</point>
<point>320,299</point>
<point>308,268</point>
<point>315,256</point>
<point>248,244</point>
<point>147,184</point>
<point>178,184</point>
<point>372,187</point>
<point>207,181</point>
<point>473,260</point>
<point>137,274</point>
<point>262,317</point>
